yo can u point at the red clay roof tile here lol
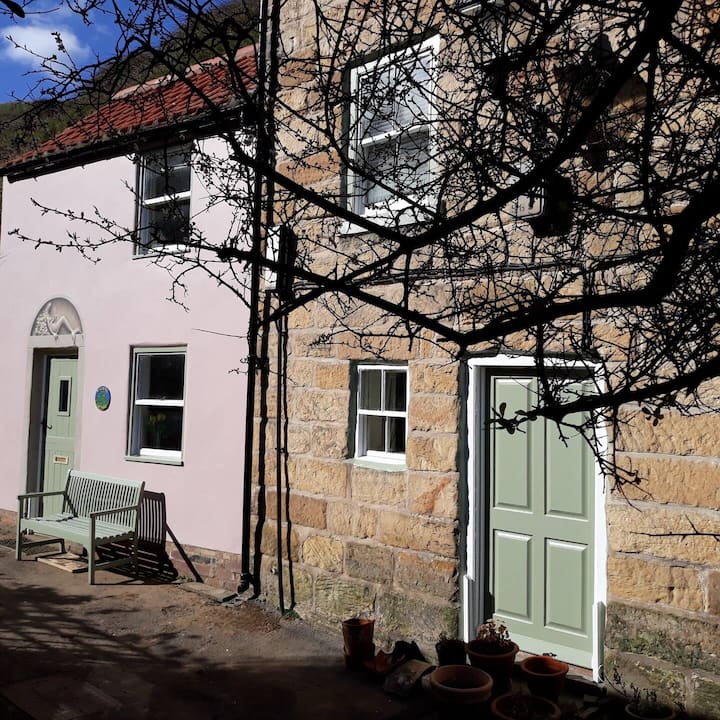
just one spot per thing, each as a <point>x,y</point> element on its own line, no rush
<point>157,103</point>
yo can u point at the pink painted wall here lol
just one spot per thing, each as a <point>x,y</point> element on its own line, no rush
<point>122,303</point>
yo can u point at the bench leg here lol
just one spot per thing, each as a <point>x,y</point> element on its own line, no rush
<point>18,542</point>
<point>91,568</point>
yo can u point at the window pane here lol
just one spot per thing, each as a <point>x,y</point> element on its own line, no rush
<point>160,376</point>
<point>395,390</point>
<point>166,224</point>
<point>377,102</point>
<point>166,174</point>
<point>374,433</point>
<point>370,389</point>
<point>396,435</point>
<point>64,396</point>
<point>160,428</point>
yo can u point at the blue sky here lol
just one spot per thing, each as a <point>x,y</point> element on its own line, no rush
<point>20,69</point>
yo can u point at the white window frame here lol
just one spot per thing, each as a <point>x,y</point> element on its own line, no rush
<point>144,246</point>
<point>399,210</point>
<point>361,451</point>
<point>134,450</point>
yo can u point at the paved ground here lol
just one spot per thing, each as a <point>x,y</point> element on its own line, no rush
<point>126,649</point>
<point>133,650</point>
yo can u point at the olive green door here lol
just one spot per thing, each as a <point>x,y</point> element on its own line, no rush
<point>541,526</point>
<point>59,426</point>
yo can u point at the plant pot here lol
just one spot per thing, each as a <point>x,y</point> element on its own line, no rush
<point>499,663</point>
<point>545,675</point>
<point>358,639</point>
<point>460,684</point>
<point>658,712</point>
<point>451,652</point>
<point>514,706</point>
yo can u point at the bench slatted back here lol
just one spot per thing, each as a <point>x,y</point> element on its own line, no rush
<point>86,493</point>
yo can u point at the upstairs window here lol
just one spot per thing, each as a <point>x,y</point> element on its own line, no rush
<point>390,132</point>
<point>164,200</point>
<point>381,429</point>
<point>158,404</point>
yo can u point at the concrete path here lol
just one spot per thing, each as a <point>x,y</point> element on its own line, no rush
<point>126,649</point>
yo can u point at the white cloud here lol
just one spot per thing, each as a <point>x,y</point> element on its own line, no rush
<point>26,43</point>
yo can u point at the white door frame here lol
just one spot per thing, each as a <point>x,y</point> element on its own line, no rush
<point>471,588</point>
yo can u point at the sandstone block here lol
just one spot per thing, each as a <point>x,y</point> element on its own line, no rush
<point>704,697</point>
<point>318,405</point>
<point>434,377</point>
<point>667,681</point>
<point>371,563</point>
<point>417,533</point>
<point>400,615</point>
<point>333,375</point>
<point>323,552</point>
<point>304,510</point>
<point>433,494</point>
<point>301,372</point>
<point>427,574</point>
<point>377,487</point>
<point>300,439</point>
<point>655,581</point>
<point>303,585</point>
<point>432,452</point>
<point>344,518</point>
<point>269,544</point>
<point>686,481</point>
<point>301,317</point>
<point>713,592</point>
<point>339,599</point>
<point>675,434</point>
<point>653,530</point>
<point>684,640</point>
<point>327,478</point>
<point>329,441</point>
<point>434,413</point>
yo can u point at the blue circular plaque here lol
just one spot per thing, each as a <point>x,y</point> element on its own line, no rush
<point>102,398</point>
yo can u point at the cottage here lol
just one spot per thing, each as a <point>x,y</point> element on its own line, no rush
<point>120,357</point>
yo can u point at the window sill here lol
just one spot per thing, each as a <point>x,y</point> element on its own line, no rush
<point>152,459</point>
<point>168,250</point>
<point>395,217</point>
<point>363,462</point>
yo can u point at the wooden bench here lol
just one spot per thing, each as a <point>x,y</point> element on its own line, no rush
<point>95,511</point>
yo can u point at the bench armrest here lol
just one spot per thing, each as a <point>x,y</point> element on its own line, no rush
<point>40,494</point>
<point>112,511</point>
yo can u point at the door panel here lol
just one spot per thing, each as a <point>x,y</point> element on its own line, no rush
<point>513,591</point>
<point>59,441</point>
<point>541,525</point>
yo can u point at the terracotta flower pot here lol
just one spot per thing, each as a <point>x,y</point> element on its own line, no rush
<point>358,639</point>
<point>499,663</point>
<point>545,675</point>
<point>656,712</point>
<point>460,684</point>
<point>514,706</point>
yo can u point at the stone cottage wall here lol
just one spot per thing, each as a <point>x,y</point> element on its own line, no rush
<point>663,620</point>
<point>358,540</point>
<point>362,540</point>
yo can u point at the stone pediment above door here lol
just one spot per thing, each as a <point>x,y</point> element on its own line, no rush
<point>57,317</point>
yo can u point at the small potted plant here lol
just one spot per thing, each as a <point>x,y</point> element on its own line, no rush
<point>521,706</point>
<point>493,651</point>
<point>545,675</point>
<point>643,703</point>
<point>450,651</point>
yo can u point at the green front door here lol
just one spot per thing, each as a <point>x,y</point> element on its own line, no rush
<point>541,527</point>
<point>59,426</point>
